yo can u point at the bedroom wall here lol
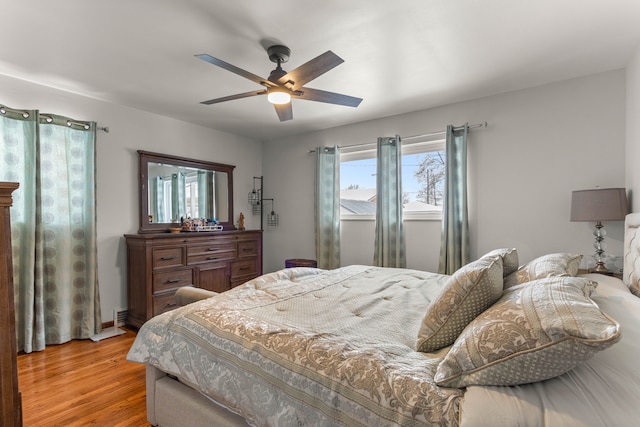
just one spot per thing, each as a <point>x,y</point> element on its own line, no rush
<point>541,143</point>
<point>117,167</point>
<point>633,130</point>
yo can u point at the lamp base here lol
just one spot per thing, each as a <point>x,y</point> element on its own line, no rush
<point>600,268</point>
<point>599,234</point>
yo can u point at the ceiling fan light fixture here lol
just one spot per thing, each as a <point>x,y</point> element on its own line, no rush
<point>281,86</point>
<point>278,96</point>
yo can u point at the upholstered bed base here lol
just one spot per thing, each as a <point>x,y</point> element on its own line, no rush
<point>171,403</point>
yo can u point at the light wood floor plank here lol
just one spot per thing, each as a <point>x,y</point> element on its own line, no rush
<point>83,383</point>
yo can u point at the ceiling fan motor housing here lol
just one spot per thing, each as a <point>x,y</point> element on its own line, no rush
<point>275,75</point>
<point>279,53</point>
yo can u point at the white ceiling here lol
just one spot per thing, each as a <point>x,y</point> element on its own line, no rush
<point>400,56</point>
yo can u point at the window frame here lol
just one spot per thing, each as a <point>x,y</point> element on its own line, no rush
<point>414,147</point>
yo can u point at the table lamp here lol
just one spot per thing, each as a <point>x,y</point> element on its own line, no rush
<point>600,204</point>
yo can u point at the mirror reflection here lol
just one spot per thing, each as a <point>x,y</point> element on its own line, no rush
<point>179,192</point>
<point>174,188</point>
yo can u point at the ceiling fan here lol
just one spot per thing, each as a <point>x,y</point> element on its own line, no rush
<point>281,86</point>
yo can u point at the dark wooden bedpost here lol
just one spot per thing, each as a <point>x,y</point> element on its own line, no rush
<point>11,406</point>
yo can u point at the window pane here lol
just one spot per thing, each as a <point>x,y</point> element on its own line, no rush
<point>358,187</point>
<point>424,187</point>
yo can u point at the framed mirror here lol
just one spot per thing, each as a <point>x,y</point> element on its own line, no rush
<point>173,188</point>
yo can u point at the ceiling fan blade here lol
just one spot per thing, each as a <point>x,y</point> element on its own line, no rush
<point>312,69</point>
<point>232,97</point>
<point>239,71</point>
<point>285,111</point>
<point>328,97</point>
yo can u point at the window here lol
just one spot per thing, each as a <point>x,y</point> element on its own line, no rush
<point>191,195</point>
<point>423,166</point>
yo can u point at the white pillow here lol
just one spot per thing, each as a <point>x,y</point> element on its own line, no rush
<point>560,264</point>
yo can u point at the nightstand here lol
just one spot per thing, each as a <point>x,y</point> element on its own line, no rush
<point>608,273</point>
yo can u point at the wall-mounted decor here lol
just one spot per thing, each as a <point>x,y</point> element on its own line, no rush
<point>256,200</point>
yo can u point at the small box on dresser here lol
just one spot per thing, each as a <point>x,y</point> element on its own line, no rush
<point>160,264</point>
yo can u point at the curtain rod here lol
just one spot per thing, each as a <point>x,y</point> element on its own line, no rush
<point>424,135</point>
<point>49,118</point>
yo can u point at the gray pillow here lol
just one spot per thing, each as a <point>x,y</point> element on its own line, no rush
<point>467,293</point>
<point>509,259</point>
<point>534,332</point>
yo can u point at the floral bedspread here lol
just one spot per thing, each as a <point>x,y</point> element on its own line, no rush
<point>309,347</point>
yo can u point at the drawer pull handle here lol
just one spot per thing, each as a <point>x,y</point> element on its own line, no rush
<point>171,304</point>
<point>244,268</point>
<point>173,281</point>
<point>212,257</point>
<point>213,250</point>
<point>167,258</point>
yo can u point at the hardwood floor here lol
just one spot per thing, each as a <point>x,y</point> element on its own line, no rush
<point>83,383</point>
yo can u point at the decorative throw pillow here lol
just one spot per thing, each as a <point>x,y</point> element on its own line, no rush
<point>533,333</point>
<point>560,264</point>
<point>468,292</point>
<point>509,259</point>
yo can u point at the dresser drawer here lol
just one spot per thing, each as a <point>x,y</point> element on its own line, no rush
<point>225,238</point>
<point>211,257</point>
<point>168,241</point>
<point>245,267</point>
<point>164,302</point>
<point>168,257</point>
<point>172,279</point>
<point>247,248</point>
<point>210,248</point>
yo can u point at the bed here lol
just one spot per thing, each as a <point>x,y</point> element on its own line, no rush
<point>309,347</point>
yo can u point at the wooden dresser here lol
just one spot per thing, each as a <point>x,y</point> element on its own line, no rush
<point>159,264</point>
<point>10,407</point>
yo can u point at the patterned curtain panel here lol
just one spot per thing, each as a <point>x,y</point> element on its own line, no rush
<point>454,247</point>
<point>327,205</point>
<point>389,249</point>
<point>18,133</point>
<point>53,226</point>
<point>178,200</point>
